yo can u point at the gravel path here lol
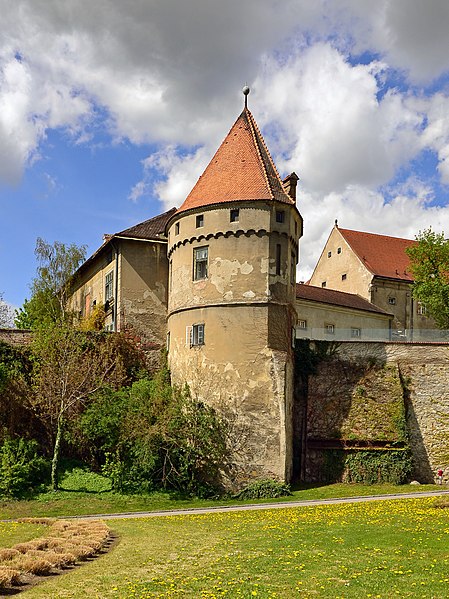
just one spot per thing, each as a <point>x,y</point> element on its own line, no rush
<point>261,506</point>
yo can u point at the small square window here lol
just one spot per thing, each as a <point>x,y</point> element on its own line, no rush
<point>197,335</point>
<point>323,284</point>
<point>356,332</point>
<point>199,220</point>
<point>302,324</point>
<point>329,254</point>
<point>234,215</point>
<point>392,301</point>
<point>330,329</point>
<point>177,229</point>
<point>338,250</point>
<point>280,216</point>
<point>343,277</point>
<point>200,258</point>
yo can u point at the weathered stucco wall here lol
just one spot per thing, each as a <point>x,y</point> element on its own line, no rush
<point>357,396</point>
<point>237,373</point>
<point>143,295</point>
<point>245,303</point>
<point>331,268</point>
<point>317,316</point>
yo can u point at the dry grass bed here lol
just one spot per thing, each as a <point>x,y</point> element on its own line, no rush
<point>66,544</point>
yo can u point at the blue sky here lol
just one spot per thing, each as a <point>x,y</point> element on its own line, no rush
<point>109,112</point>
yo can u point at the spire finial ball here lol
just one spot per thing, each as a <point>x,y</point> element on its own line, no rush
<point>246,90</point>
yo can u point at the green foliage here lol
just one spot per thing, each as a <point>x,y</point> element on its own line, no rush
<point>79,478</point>
<point>50,289</point>
<point>21,469</point>
<point>429,261</point>
<point>367,467</point>
<point>264,489</point>
<point>152,435</point>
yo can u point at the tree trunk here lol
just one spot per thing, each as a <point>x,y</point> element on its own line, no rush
<point>56,453</point>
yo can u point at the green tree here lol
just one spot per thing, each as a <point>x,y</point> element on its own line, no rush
<point>154,435</point>
<point>50,289</point>
<point>429,263</point>
<point>70,367</point>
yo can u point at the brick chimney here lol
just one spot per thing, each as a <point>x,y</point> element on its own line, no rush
<point>289,184</point>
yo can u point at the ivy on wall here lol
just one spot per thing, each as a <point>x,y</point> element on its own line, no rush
<point>367,467</point>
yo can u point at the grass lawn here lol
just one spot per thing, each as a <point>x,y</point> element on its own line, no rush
<point>19,532</point>
<point>88,493</point>
<point>374,550</point>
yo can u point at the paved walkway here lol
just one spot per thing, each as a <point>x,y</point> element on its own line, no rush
<point>262,506</point>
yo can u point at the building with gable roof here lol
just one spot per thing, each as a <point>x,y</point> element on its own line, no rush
<point>128,275</point>
<point>376,268</point>
<point>330,315</point>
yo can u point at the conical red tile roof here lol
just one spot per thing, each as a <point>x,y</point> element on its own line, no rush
<point>242,169</point>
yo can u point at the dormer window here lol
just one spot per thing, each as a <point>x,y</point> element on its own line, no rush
<point>199,220</point>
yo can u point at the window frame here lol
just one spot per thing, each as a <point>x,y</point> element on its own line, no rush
<point>109,286</point>
<point>356,333</point>
<point>234,215</point>
<point>200,263</point>
<point>197,334</point>
<point>199,221</point>
<point>329,328</point>
<point>280,216</point>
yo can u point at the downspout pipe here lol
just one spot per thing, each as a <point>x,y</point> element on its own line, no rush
<point>115,308</point>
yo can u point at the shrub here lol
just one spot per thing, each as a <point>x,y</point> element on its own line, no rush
<point>368,467</point>
<point>21,469</point>
<point>264,489</point>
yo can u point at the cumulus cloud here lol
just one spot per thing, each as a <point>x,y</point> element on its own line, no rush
<point>170,73</point>
<point>333,127</point>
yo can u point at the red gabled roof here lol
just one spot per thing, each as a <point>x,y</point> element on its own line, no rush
<point>242,169</point>
<point>382,255</point>
<point>336,298</point>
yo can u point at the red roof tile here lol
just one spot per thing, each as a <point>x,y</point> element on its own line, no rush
<point>336,298</point>
<point>382,255</point>
<point>242,169</point>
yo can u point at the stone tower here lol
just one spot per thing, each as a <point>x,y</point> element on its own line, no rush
<point>233,250</point>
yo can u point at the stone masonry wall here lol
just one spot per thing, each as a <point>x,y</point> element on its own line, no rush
<point>15,336</point>
<point>356,396</point>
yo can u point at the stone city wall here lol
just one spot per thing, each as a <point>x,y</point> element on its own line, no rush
<point>381,396</point>
<point>16,337</point>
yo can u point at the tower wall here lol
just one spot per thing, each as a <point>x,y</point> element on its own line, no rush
<point>244,305</point>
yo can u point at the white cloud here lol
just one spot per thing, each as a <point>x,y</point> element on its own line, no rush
<point>361,209</point>
<point>338,133</point>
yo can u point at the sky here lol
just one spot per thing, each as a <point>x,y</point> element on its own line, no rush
<point>110,111</point>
